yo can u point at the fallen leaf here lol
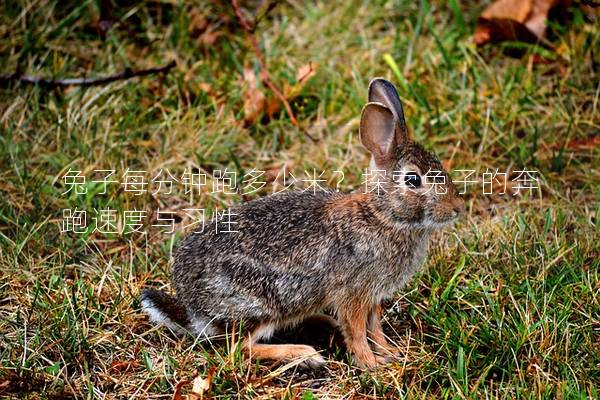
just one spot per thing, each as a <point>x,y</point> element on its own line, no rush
<point>306,72</point>
<point>177,393</point>
<point>536,22</point>
<point>303,75</point>
<point>205,87</point>
<point>498,30</point>
<point>518,20</point>
<point>209,37</point>
<point>123,366</point>
<point>254,98</point>
<point>273,106</point>
<point>534,366</point>
<point>198,23</point>
<point>584,144</point>
<point>517,10</point>
<point>201,385</point>
<point>206,28</point>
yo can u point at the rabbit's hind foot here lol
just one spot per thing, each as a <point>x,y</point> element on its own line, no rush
<point>306,356</point>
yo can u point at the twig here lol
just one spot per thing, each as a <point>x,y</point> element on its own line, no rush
<point>126,74</point>
<point>264,74</point>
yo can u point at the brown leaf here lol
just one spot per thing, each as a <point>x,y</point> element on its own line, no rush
<point>447,164</point>
<point>517,10</point>
<point>205,87</point>
<point>177,393</point>
<point>498,30</point>
<point>123,366</point>
<point>584,144</point>
<point>534,366</point>
<point>198,23</point>
<point>201,385</point>
<point>254,98</point>
<point>273,106</point>
<point>303,75</point>
<point>209,37</point>
<point>306,72</point>
<point>206,28</point>
<point>520,20</point>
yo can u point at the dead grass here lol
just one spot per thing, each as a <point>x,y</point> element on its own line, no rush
<point>508,305</point>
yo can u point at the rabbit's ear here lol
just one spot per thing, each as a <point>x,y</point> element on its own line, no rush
<point>383,91</point>
<point>377,131</point>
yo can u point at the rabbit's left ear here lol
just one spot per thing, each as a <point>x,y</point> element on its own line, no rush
<point>383,91</point>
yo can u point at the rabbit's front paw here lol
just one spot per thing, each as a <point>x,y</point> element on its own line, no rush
<point>387,351</point>
<point>366,361</point>
<point>385,359</point>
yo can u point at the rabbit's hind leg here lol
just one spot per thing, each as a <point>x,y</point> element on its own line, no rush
<point>307,355</point>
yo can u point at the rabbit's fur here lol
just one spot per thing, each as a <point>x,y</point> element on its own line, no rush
<point>298,253</point>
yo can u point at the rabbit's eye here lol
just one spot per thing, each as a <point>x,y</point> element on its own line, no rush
<point>412,179</point>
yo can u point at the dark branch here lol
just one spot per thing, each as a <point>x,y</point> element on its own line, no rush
<point>126,74</point>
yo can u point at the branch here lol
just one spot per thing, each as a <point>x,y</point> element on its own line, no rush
<point>126,74</point>
<point>264,74</point>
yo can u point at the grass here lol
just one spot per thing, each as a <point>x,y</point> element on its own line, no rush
<point>508,305</point>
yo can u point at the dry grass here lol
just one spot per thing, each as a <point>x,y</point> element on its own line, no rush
<point>508,306</point>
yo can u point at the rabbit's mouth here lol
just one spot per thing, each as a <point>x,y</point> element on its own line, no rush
<point>441,221</point>
<point>445,213</point>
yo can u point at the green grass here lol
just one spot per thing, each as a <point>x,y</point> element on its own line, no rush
<point>509,303</point>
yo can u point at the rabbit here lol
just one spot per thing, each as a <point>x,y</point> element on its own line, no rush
<point>296,254</point>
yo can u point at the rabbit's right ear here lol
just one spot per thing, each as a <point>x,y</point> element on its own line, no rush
<point>384,92</point>
<point>378,132</point>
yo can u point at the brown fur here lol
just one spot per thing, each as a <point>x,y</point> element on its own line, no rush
<point>353,320</point>
<point>347,204</point>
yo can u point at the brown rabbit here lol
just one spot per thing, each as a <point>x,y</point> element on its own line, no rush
<point>298,253</point>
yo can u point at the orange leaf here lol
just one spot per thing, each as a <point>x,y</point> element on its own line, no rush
<point>121,366</point>
<point>205,87</point>
<point>273,106</point>
<point>177,393</point>
<point>521,20</point>
<point>584,144</point>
